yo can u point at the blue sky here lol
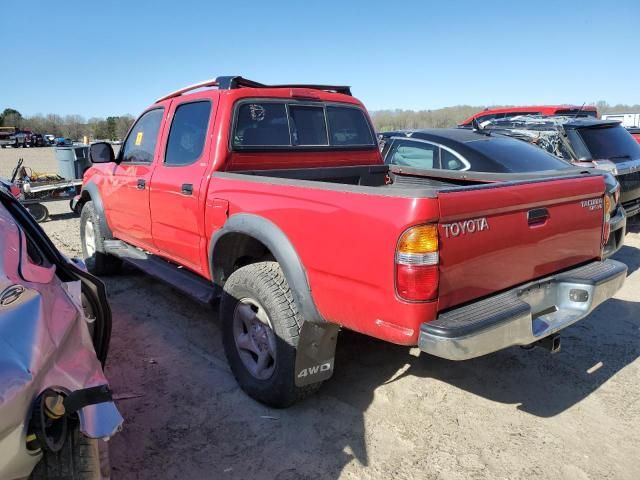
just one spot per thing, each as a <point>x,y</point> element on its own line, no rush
<point>112,57</point>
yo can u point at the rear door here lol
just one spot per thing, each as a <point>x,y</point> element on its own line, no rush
<point>127,198</point>
<point>499,236</point>
<point>179,183</point>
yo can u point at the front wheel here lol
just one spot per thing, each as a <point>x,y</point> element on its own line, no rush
<point>92,238</point>
<point>260,333</point>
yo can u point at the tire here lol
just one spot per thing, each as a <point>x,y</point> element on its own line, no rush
<point>98,262</point>
<point>81,458</point>
<point>262,288</point>
<point>38,211</point>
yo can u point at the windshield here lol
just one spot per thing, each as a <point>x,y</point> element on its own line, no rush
<point>511,155</point>
<point>611,143</point>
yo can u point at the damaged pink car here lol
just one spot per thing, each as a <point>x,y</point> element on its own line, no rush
<point>56,409</point>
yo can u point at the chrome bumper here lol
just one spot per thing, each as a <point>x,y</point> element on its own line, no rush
<point>523,315</point>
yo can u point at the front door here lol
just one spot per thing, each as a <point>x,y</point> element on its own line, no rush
<point>179,182</point>
<point>128,193</point>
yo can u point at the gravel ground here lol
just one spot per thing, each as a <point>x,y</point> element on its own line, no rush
<point>388,412</point>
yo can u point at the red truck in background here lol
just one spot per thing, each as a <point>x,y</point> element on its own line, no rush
<point>277,198</point>
<point>544,110</point>
<point>635,133</point>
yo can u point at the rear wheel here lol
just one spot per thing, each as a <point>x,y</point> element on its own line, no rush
<point>92,238</point>
<point>80,458</point>
<point>261,329</point>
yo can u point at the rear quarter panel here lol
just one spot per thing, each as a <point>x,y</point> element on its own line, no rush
<point>346,242</point>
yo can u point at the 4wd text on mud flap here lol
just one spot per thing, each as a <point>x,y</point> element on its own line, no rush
<point>465,226</point>
<point>323,367</point>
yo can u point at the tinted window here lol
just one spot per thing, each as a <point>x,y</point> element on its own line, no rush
<point>262,125</point>
<point>577,113</point>
<point>408,153</point>
<point>188,133</point>
<point>348,126</point>
<point>511,155</point>
<point>612,143</point>
<point>141,142</point>
<point>307,125</point>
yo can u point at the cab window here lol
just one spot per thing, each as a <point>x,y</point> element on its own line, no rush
<point>188,133</point>
<point>408,153</point>
<point>140,145</point>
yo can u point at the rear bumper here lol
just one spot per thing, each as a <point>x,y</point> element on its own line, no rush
<point>617,230</point>
<point>523,315</point>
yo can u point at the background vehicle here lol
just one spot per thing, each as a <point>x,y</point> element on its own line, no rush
<point>586,143</point>
<point>63,142</point>
<point>22,138</point>
<point>492,157</point>
<point>544,110</point>
<point>6,136</point>
<point>628,120</point>
<point>278,197</point>
<point>51,139</point>
<point>55,408</point>
<point>38,140</point>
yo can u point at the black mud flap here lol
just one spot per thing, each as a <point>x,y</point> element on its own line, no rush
<point>316,352</point>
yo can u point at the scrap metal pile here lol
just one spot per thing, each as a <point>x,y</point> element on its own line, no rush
<point>545,132</point>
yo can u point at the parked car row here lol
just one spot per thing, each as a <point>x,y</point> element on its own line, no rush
<point>14,137</point>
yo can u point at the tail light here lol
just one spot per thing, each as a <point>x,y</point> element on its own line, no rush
<point>417,259</point>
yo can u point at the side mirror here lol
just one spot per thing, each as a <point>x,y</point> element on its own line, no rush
<point>101,152</point>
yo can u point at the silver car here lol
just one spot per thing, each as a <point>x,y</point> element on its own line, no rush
<point>56,408</point>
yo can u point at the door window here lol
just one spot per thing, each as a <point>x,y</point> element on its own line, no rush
<point>188,133</point>
<point>141,142</point>
<point>414,154</point>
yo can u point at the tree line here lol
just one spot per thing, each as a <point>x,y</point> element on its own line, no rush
<point>69,126</point>
<point>385,120</point>
<point>115,128</point>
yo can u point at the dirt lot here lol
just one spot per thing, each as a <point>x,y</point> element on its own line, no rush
<point>387,412</point>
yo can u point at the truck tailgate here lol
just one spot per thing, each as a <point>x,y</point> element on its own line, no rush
<point>498,236</point>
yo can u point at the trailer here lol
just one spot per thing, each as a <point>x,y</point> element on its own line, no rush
<point>35,190</point>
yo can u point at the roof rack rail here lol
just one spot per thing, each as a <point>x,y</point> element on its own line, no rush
<point>231,83</point>
<point>207,83</point>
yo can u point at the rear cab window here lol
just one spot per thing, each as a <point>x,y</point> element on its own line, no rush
<point>263,125</point>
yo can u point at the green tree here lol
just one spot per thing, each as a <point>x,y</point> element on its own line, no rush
<point>11,118</point>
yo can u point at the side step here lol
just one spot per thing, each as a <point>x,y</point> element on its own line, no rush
<point>180,278</point>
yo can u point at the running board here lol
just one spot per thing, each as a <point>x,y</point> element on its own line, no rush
<point>180,278</point>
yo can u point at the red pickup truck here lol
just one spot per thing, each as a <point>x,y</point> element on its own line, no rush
<point>277,198</point>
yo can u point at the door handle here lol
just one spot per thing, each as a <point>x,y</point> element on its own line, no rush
<point>141,184</point>
<point>187,189</point>
<point>537,216</point>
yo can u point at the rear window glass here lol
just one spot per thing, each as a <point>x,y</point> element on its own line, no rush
<point>262,124</point>
<point>511,155</point>
<point>610,143</point>
<point>299,125</point>
<point>307,125</point>
<point>348,126</point>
